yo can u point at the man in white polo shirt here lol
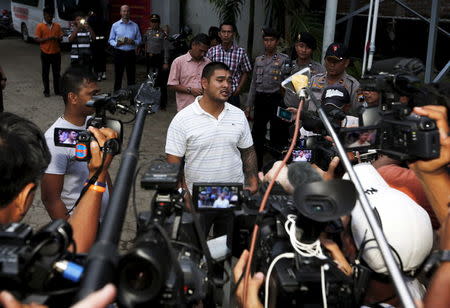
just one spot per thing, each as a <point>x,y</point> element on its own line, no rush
<point>214,138</point>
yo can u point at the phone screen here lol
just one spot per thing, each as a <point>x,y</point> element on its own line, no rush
<point>66,137</point>
<point>284,114</point>
<point>216,197</point>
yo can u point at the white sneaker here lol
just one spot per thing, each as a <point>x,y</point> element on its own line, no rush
<point>104,76</point>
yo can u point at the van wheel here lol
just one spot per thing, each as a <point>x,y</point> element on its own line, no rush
<point>25,35</point>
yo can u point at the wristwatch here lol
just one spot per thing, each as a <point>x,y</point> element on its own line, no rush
<point>444,255</point>
<point>188,90</point>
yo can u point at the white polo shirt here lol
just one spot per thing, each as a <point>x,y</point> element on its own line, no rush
<point>210,146</point>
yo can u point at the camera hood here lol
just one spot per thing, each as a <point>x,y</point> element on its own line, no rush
<point>326,200</point>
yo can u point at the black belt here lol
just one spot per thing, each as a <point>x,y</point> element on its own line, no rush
<point>268,94</point>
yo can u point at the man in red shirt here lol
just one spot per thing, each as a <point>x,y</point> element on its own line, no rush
<point>48,35</point>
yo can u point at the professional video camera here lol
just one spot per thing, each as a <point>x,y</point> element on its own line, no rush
<point>37,267</point>
<point>395,131</point>
<point>166,266</point>
<point>298,273</point>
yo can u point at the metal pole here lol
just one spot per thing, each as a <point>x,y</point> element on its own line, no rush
<point>397,278</point>
<point>348,29</point>
<point>330,25</point>
<point>373,34</point>
<point>102,258</point>
<point>442,72</point>
<point>432,34</point>
<point>366,41</point>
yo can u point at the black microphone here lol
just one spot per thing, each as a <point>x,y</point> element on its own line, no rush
<point>301,173</point>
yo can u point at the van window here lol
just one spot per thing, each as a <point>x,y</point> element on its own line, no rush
<point>27,2</point>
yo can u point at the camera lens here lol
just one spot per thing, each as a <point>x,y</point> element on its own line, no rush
<point>138,275</point>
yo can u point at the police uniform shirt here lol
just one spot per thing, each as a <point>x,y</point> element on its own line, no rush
<point>156,43</point>
<point>268,73</point>
<point>290,99</point>
<point>319,82</point>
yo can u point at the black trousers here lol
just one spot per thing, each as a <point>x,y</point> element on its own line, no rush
<point>155,63</point>
<point>266,105</point>
<point>55,61</point>
<point>1,100</point>
<point>223,225</point>
<point>124,60</point>
<point>99,55</point>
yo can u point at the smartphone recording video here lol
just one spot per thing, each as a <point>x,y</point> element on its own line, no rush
<point>216,197</point>
<point>66,137</point>
<point>284,114</point>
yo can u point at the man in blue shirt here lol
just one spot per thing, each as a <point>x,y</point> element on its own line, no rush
<point>124,37</point>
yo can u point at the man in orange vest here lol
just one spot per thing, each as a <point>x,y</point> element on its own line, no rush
<point>48,35</point>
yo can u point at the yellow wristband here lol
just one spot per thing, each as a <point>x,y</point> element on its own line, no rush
<point>97,188</point>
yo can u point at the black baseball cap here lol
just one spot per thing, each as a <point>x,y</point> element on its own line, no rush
<point>335,95</point>
<point>338,51</point>
<point>307,38</point>
<point>155,17</point>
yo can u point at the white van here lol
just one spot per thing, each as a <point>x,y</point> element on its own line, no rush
<point>26,14</point>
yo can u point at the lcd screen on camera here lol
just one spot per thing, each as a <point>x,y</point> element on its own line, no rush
<point>359,138</point>
<point>216,197</point>
<point>301,155</point>
<point>66,137</point>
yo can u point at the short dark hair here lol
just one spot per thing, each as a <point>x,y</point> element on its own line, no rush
<point>228,23</point>
<point>49,11</point>
<point>211,67</point>
<point>72,80</point>
<point>24,155</point>
<point>201,38</point>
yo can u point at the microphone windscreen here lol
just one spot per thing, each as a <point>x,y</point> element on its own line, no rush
<point>300,173</point>
<point>300,82</point>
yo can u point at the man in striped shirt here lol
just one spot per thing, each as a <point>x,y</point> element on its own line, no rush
<point>234,57</point>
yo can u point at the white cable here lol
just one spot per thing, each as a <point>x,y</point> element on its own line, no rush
<point>306,250</point>
<point>324,291</point>
<point>288,255</point>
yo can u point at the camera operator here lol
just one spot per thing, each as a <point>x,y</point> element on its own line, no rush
<point>435,179</point>
<point>357,239</point>
<point>81,37</point>
<point>98,299</point>
<point>64,178</point>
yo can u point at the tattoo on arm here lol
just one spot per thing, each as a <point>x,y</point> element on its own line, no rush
<point>249,162</point>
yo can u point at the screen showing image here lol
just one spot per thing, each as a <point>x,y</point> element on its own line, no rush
<point>360,139</point>
<point>301,155</point>
<point>217,197</point>
<point>66,137</point>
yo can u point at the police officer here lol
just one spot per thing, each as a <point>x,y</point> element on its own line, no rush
<point>302,53</point>
<point>157,55</point>
<point>265,95</point>
<point>336,62</point>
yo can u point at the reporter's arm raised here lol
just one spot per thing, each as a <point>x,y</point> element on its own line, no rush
<point>432,173</point>
<point>84,219</point>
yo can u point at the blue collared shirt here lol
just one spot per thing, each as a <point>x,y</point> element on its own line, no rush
<point>121,29</point>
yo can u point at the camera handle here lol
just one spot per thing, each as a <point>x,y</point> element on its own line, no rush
<point>402,289</point>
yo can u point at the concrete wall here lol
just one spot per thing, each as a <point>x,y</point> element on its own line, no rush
<point>200,15</point>
<point>169,10</point>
